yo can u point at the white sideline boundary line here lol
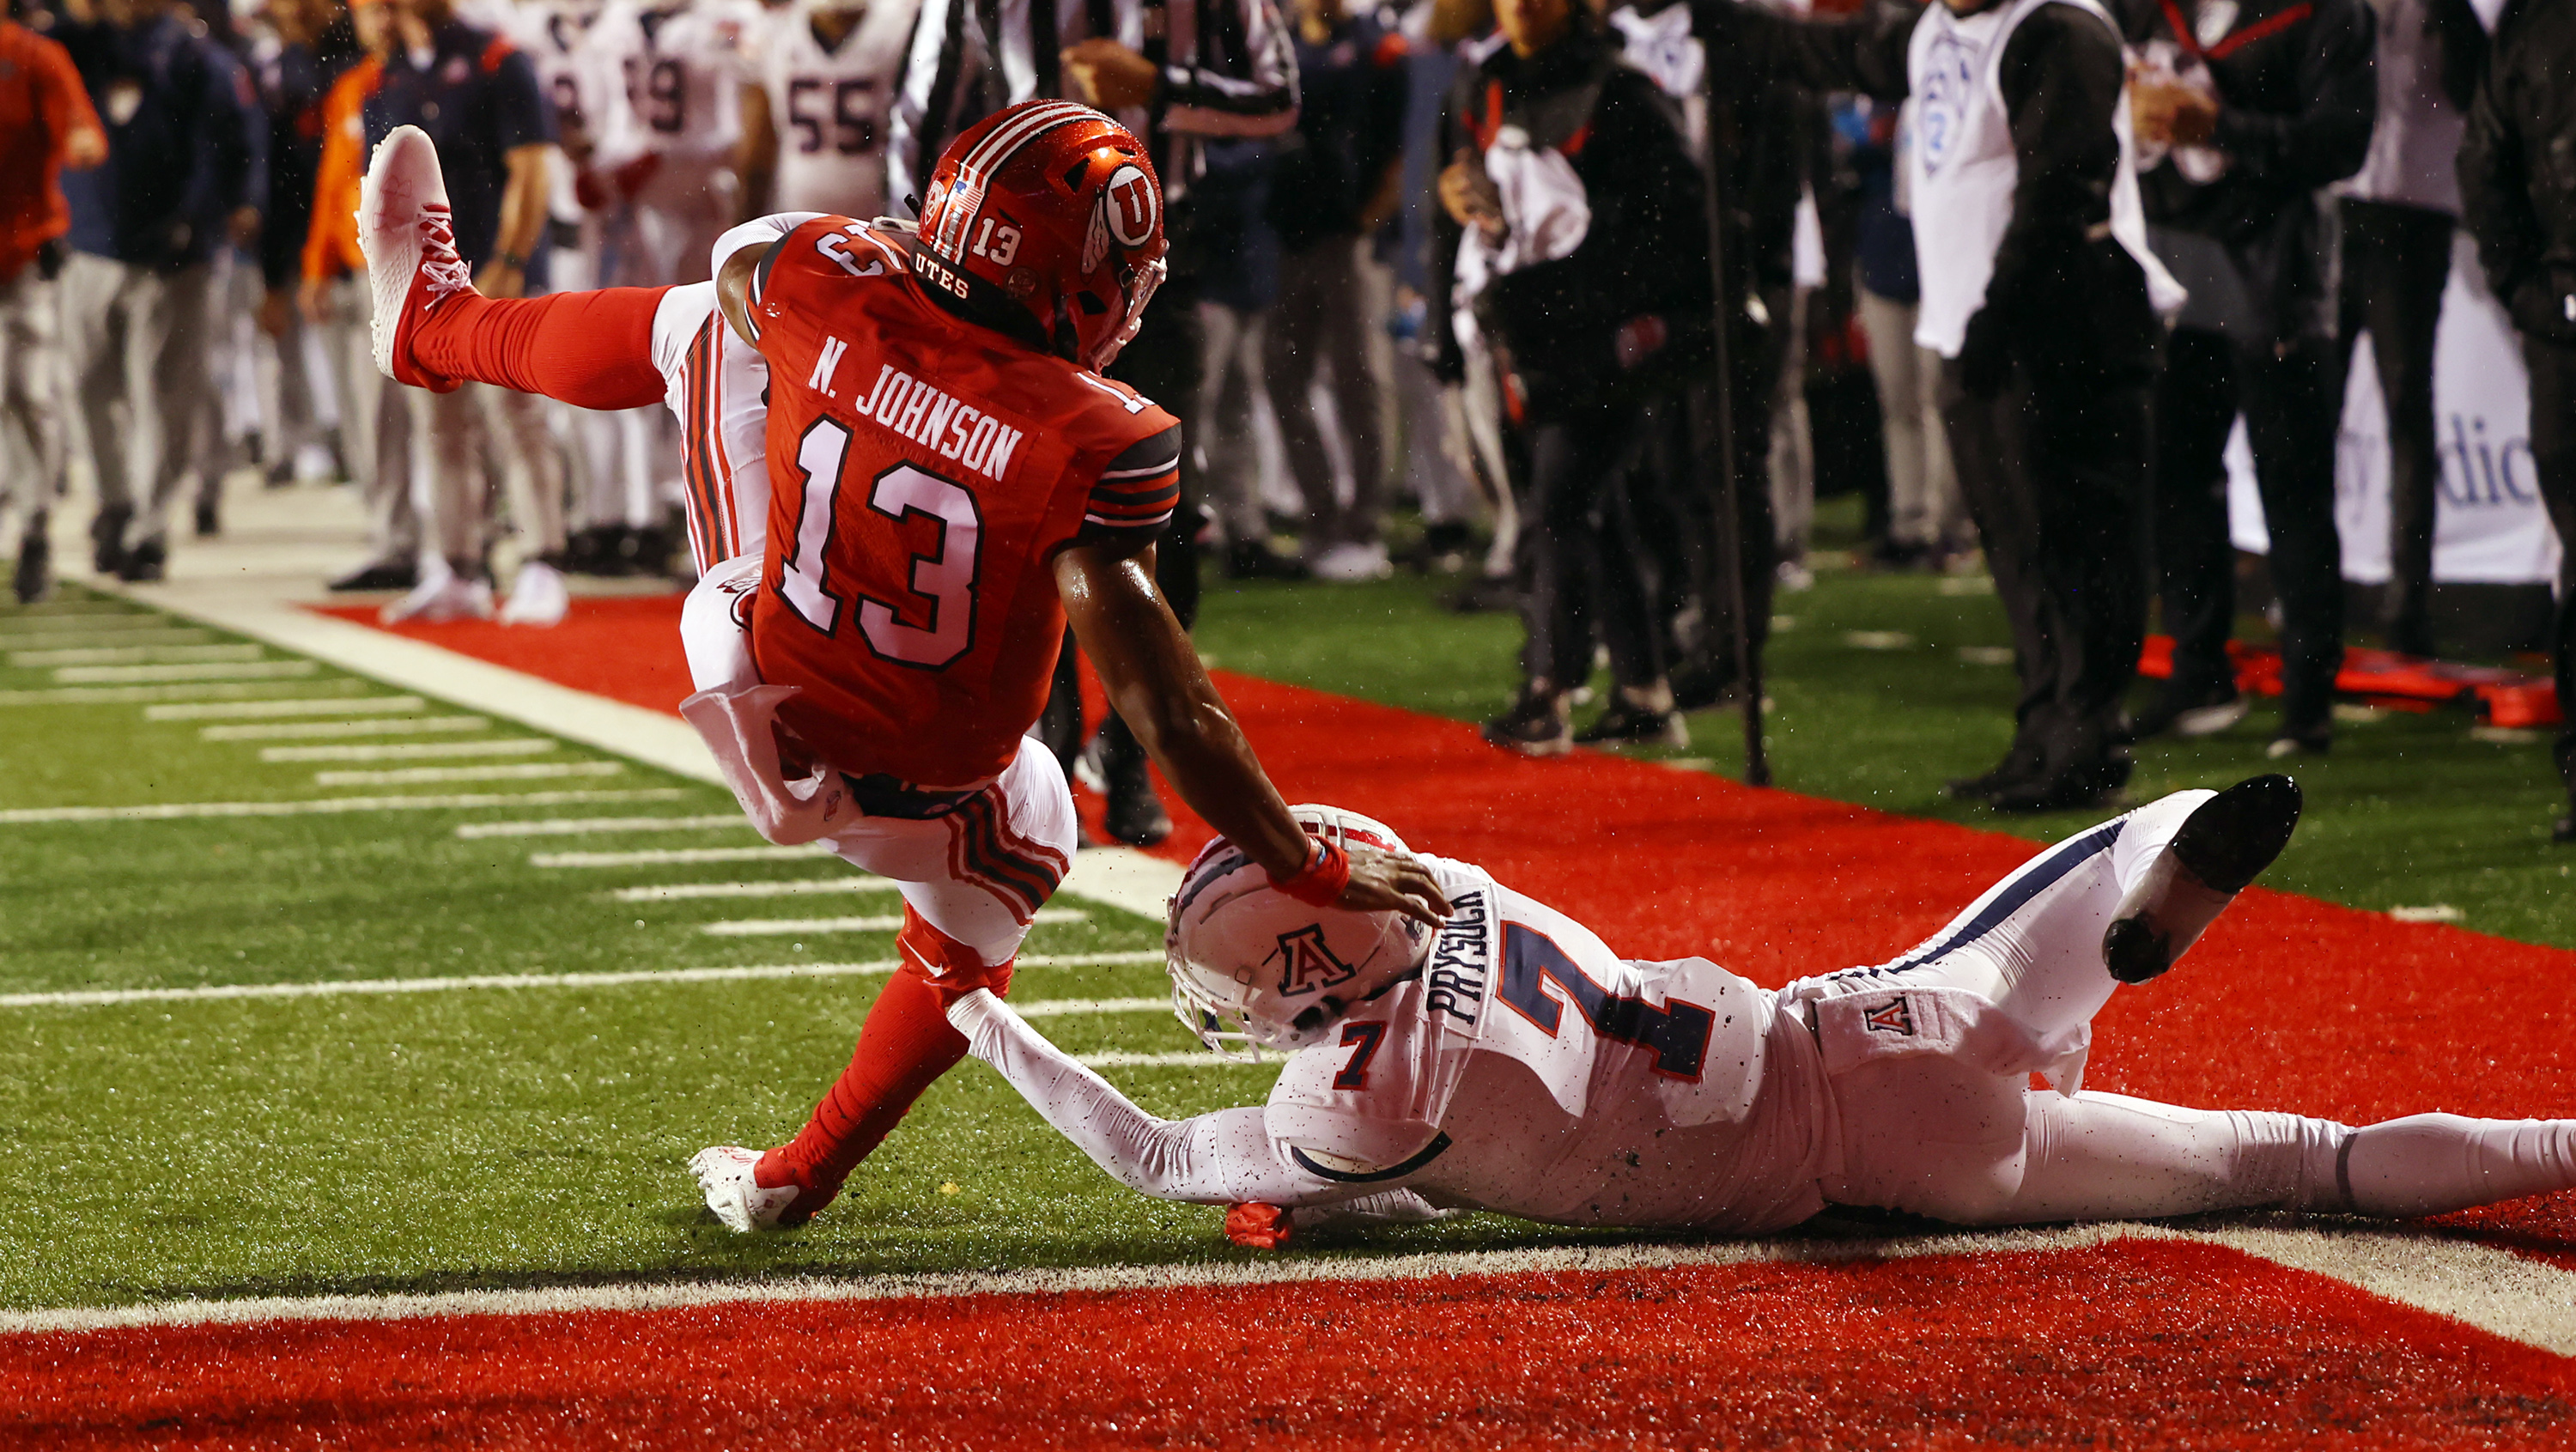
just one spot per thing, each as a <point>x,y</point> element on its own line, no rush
<point>367,987</point>
<point>2540,1310</point>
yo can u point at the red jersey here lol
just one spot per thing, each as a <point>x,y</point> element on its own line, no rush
<point>924,473</point>
<point>42,102</point>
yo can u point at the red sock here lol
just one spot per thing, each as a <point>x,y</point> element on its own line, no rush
<point>905,1044</point>
<point>589,349</point>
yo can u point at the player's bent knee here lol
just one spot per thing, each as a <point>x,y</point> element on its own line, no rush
<point>715,625</point>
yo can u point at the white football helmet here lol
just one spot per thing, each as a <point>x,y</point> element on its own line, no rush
<point>1253,968</point>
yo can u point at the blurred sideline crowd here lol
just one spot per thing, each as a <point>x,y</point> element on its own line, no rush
<point>1607,295</point>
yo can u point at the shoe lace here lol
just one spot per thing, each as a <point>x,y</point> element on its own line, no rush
<point>446,272</point>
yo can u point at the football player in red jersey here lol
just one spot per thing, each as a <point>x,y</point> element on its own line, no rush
<point>952,482</point>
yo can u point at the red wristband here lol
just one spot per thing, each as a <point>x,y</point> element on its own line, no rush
<point>1320,882</point>
<point>1262,1227</point>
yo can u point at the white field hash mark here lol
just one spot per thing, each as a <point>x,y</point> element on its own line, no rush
<point>423,775</point>
<point>111,997</point>
<point>782,927</point>
<point>348,705</point>
<point>410,750</point>
<point>134,655</point>
<point>174,811</point>
<point>123,639</point>
<point>311,730</point>
<point>138,675</point>
<point>797,887</point>
<point>584,826</point>
<point>680,856</point>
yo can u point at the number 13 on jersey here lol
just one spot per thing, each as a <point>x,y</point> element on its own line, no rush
<point>934,623</point>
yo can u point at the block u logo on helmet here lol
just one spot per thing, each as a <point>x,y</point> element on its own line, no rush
<point>1132,205</point>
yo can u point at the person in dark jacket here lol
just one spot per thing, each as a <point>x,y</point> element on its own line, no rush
<point>184,176</point>
<point>2244,109</point>
<point>1573,238</point>
<point>2036,293</point>
<point>2517,173</point>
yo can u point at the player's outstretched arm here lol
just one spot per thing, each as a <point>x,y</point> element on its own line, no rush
<point>1211,1159</point>
<point>1157,685</point>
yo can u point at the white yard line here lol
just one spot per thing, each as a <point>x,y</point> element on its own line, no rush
<point>18,627</point>
<point>422,775</point>
<point>584,826</point>
<point>412,750</point>
<point>310,730</point>
<point>680,856</point>
<point>365,987</point>
<point>124,639</point>
<point>1063,1007</point>
<point>784,927</point>
<point>797,887</point>
<point>140,675</point>
<point>2546,1320</point>
<point>135,655</point>
<point>171,811</point>
<point>344,705</point>
<point>324,694</point>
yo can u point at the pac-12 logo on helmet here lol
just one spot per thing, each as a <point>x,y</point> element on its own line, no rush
<point>1307,962</point>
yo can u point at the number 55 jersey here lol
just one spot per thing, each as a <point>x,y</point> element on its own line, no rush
<point>925,471</point>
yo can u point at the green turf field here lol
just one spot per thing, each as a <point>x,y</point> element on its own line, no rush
<point>536,1134</point>
<point>466,1136</point>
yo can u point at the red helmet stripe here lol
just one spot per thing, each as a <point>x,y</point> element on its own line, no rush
<point>989,156</point>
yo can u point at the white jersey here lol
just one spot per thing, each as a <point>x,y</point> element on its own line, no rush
<point>1961,170</point>
<point>1531,1071</point>
<point>559,40</point>
<point>830,106</point>
<point>677,94</point>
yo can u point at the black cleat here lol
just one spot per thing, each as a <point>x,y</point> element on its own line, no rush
<point>34,578</point>
<point>107,539</point>
<point>145,563</point>
<point>2224,844</point>
<point>1627,725</point>
<point>379,575</point>
<point>2021,765</point>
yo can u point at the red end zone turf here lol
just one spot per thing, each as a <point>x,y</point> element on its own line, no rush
<point>2288,1003</point>
<point>2145,1344</point>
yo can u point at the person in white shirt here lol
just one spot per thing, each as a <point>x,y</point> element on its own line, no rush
<point>816,107</point>
<point>1510,1061</point>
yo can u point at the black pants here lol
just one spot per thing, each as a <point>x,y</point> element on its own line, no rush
<point>2055,475</point>
<point>2553,451</point>
<point>1162,363</point>
<point>2396,261</point>
<point>2288,399</point>
<point>1584,570</point>
<point>1676,496</point>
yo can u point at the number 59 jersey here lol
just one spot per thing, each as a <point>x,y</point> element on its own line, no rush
<point>924,473</point>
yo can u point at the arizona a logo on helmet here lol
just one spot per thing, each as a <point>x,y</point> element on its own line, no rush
<point>1308,962</point>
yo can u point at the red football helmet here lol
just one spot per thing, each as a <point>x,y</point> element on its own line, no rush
<point>1051,208</point>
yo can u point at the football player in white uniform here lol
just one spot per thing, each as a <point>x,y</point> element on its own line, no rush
<point>1509,1061</point>
<point>814,118</point>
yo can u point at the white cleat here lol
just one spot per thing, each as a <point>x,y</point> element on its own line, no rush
<point>724,1177</point>
<point>440,597</point>
<point>1352,563</point>
<point>538,597</point>
<point>409,238</point>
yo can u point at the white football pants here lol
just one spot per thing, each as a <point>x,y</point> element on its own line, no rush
<point>1936,1136</point>
<point>976,864</point>
<point>717,387</point>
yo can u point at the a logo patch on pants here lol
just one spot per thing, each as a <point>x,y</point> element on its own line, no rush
<point>1891,1017</point>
